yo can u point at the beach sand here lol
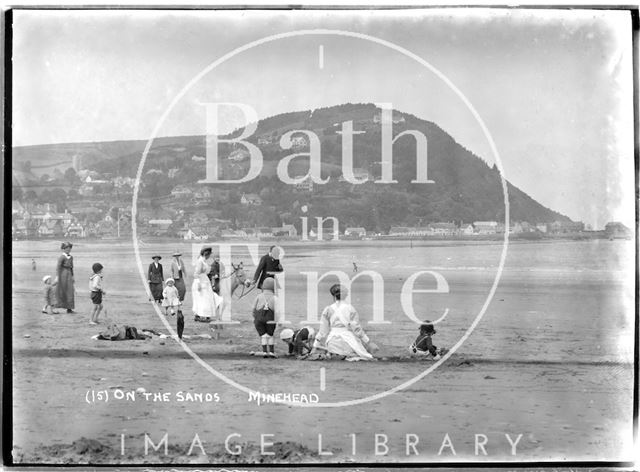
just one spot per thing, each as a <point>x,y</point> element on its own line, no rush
<point>550,360</point>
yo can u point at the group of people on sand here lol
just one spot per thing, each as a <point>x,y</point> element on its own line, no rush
<point>59,292</point>
<point>340,334</point>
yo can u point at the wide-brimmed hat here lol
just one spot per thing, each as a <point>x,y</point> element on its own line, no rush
<point>156,257</point>
<point>205,249</point>
<point>169,280</point>
<point>286,333</point>
<point>177,253</point>
<point>46,278</point>
<point>268,284</point>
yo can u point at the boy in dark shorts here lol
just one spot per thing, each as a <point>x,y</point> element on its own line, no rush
<point>95,286</point>
<point>299,341</point>
<point>264,317</point>
<point>423,343</point>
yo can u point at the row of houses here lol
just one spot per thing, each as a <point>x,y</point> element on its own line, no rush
<point>484,228</point>
<point>202,233</point>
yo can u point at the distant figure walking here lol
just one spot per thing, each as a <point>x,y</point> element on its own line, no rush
<point>155,278</point>
<point>64,271</point>
<point>33,264</point>
<point>178,274</point>
<point>355,267</point>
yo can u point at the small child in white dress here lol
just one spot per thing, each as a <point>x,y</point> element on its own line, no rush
<point>49,295</point>
<point>170,298</point>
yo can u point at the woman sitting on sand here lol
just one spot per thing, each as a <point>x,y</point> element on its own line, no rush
<point>340,332</point>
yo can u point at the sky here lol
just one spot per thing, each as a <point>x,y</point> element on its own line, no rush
<point>552,87</point>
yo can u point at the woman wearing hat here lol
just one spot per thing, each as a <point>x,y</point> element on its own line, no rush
<point>155,278</point>
<point>340,331</point>
<point>178,274</point>
<point>64,271</point>
<point>205,302</point>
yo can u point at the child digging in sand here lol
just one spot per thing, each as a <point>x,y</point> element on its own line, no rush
<point>424,344</point>
<point>49,295</point>
<point>95,285</point>
<point>300,341</point>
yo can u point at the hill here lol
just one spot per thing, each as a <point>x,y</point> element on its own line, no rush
<point>465,189</point>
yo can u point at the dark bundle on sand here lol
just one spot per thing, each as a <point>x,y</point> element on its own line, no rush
<point>121,333</point>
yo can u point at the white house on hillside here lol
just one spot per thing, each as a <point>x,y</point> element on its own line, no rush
<point>250,199</point>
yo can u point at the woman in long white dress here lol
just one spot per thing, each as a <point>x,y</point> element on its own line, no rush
<point>340,331</point>
<point>205,300</point>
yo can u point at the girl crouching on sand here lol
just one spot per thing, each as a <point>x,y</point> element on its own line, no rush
<point>300,341</point>
<point>264,319</point>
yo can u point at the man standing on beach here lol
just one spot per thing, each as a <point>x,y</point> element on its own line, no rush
<point>214,273</point>
<point>269,265</point>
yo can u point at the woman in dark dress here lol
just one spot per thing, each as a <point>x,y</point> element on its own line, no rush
<point>64,271</point>
<point>178,274</point>
<point>156,278</point>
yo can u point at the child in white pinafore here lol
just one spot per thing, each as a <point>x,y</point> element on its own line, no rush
<point>49,295</point>
<point>170,298</point>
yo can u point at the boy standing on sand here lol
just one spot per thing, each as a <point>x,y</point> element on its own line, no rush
<point>264,309</point>
<point>95,286</point>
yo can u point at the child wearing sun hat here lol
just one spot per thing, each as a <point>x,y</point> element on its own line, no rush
<point>300,341</point>
<point>170,298</point>
<point>424,344</point>
<point>49,295</point>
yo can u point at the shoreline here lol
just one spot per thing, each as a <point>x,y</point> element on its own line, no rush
<point>424,242</point>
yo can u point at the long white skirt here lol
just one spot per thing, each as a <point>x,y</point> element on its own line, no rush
<point>205,300</point>
<point>343,342</point>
